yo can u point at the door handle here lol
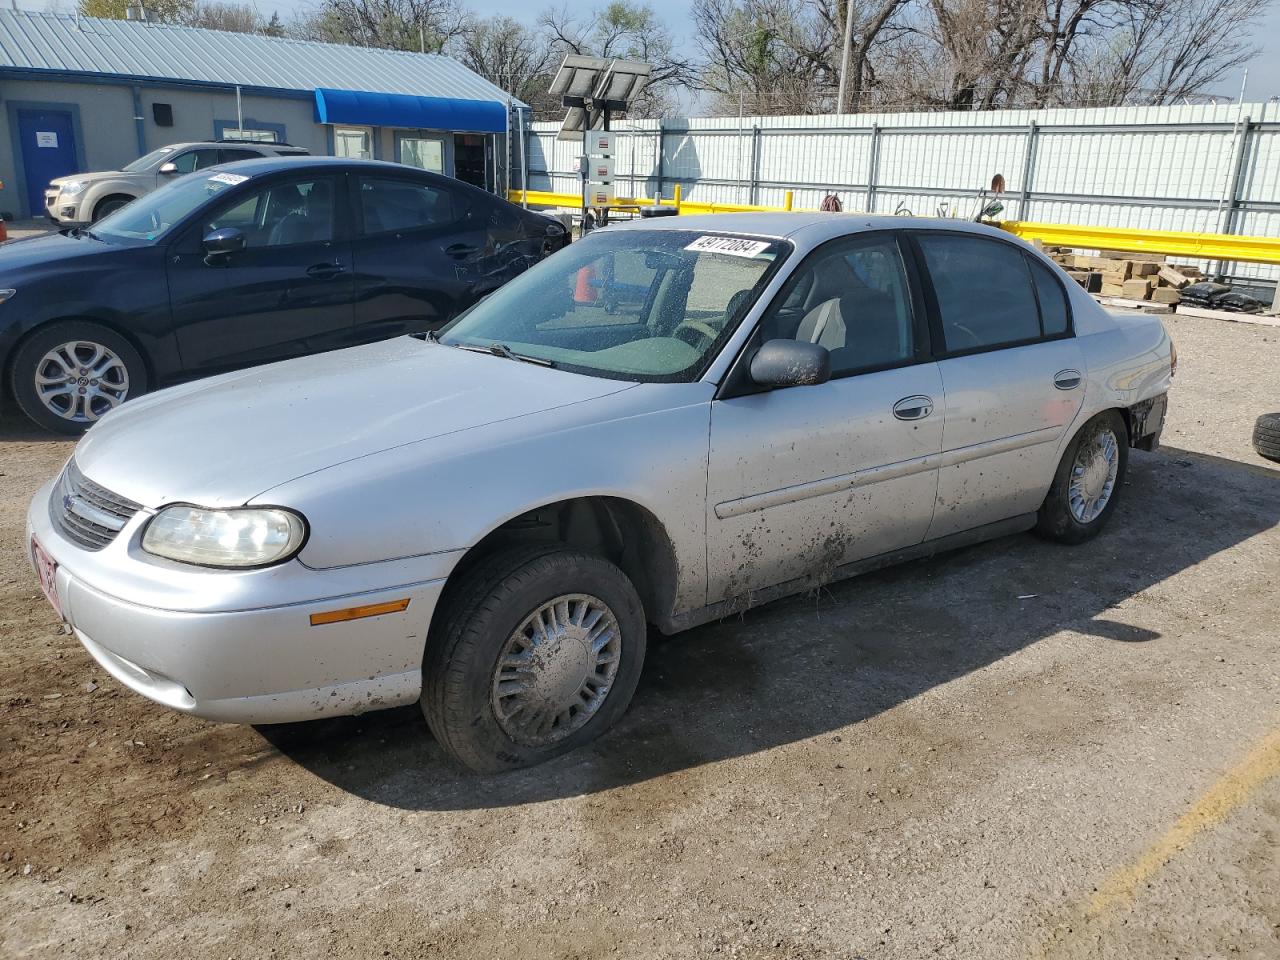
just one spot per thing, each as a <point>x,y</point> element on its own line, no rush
<point>323,271</point>
<point>460,250</point>
<point>913,408</point>
<point>1067,379</point>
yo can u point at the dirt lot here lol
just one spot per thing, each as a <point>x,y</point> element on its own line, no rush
<point>1019,750</point>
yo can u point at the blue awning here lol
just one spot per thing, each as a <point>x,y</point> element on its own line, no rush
<point>403,110</point>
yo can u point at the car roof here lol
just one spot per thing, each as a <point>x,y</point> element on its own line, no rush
<point>805,228</point>
<point>261,165</point>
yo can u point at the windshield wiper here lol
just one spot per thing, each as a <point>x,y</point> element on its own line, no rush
<point>502,350</point>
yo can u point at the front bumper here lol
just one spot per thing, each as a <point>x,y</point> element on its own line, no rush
<point>154,628</point>
<point>62,209</point>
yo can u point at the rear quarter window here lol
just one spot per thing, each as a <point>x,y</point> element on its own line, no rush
<point>983,289</point>
<point>1053,301</point>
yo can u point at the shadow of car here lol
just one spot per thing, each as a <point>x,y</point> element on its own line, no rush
<point>811,665</point>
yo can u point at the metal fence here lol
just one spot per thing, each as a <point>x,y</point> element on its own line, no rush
<point>1200,168</point>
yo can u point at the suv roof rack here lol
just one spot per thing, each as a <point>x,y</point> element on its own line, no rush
<point>265,143</point>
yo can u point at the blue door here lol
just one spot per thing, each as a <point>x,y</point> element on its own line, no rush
<point>48,151</point>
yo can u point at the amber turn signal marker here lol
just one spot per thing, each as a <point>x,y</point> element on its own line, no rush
<point>356,613</point>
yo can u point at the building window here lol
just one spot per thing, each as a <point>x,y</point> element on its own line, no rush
<point>352,143</point>
<point>425,153</point>
<point>249,128</point>
<point>254,136</point>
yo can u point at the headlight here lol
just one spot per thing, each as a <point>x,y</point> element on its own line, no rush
<point>242,537</point>
<point>71,188</point>
<point>6,294</point>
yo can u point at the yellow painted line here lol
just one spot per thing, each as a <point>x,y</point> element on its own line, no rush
<point>1233,789</point>
<point>357,613</point>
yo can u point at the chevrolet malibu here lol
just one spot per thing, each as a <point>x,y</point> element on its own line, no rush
<point>667,423</point>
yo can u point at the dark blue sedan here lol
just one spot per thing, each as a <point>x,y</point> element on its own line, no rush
<point>246,263</point>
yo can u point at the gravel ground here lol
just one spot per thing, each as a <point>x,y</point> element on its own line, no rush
<point>1017,750</point>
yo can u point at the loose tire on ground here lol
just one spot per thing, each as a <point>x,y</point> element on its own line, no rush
<point>1266,436</point>
<point>67,400</point>
<point>1058,519</point>
<point>481,618</point>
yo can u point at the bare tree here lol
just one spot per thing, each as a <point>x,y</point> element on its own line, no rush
<point>784,56</point>
<point>1165,51</point>
<point>423,25</point>
<point>764,56</point>
<point>510,55</point>
<point>232,17</point>
<point>159,11</point>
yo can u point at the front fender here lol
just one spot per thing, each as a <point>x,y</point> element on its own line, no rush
<point>447,494</point>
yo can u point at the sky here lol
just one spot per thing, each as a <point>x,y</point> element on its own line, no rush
<point>1263,71</point>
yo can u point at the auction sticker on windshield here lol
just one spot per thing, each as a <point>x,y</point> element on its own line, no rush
<point>231,179</point>
<point>733,246</point>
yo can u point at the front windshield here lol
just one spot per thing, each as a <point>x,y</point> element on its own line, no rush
<point>627,304</point>
<point>152,216</point>
<point>142,163</point>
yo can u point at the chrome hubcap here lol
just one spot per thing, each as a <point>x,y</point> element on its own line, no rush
<point>81,380</point>
<point>1093,476</point>
<point>556,669</point>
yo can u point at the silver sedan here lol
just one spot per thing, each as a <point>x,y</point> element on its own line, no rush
<point>663,424</point>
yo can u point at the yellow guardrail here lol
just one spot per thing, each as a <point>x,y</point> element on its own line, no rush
<point>545,198</point>
<point>1199,246</point>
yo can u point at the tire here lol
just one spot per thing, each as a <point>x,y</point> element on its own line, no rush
<point>48,354</point>
<point>461,696</point>
<point>1059,519</point>
<point>108,205</point>
<point>1266,436</point>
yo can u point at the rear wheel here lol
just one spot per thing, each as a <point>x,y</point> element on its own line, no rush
<point>539,652</point>
<point>69,374</point>
<point>1088,481</point>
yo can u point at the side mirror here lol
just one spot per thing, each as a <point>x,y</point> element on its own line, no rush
<point>221,243</point>
<point>169,167</point>
<point>790,363</point>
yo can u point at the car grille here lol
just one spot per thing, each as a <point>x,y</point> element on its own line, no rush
<point>86,513</point>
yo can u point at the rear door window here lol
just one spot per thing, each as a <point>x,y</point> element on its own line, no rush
<point>391,206</point>
<point>984,291</point>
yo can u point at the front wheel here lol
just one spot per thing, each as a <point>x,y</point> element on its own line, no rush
<point>1088,481</point>
<point>69,374</point>
<point>539,652</point>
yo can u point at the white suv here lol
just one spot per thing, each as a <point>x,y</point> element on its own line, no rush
<point>88,197</point>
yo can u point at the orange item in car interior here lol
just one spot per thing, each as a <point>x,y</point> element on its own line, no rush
<point>584,292</point>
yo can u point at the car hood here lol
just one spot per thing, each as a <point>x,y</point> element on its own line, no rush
<point>89,177</point>
<point>221,441</point>
<point>50,248</point>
